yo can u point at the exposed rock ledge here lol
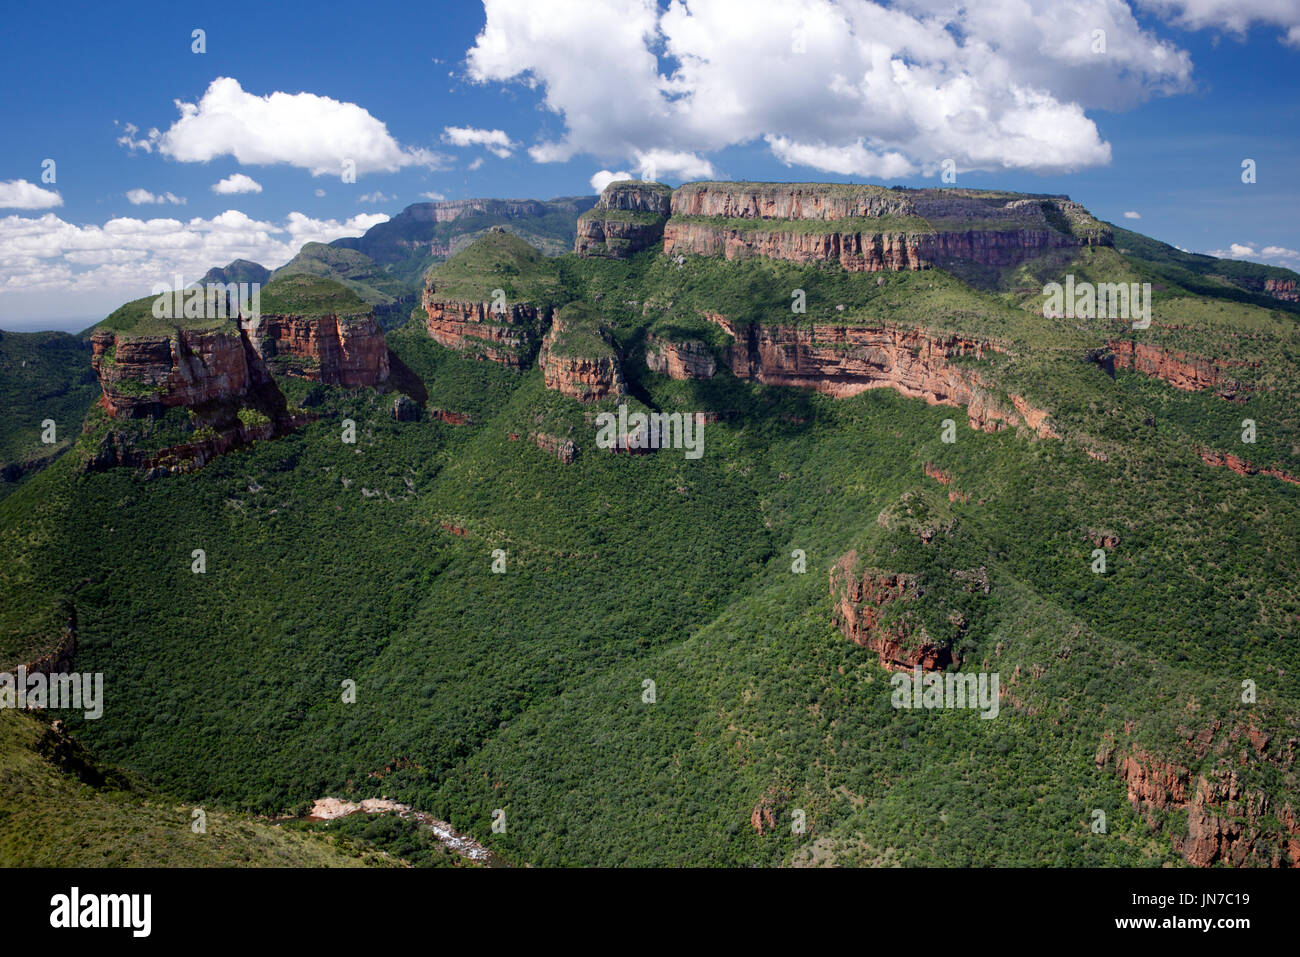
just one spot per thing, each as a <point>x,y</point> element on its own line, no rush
<point>843,361</point>
<point>861,595</point>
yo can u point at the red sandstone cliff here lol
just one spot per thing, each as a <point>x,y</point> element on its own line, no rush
<point>509,337</point>
<point>845,360</point>
<point>917,228</point>
<point>1181,370</point>
<point>628,217</point>
<point>588,374</point>
<point>861,595</point>
<point>336,350</point>
<point>680,359</point>
<point>1242,467</point>
<point>1228,821</point>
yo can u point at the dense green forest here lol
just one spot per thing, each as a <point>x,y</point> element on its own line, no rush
<point>501,613</point>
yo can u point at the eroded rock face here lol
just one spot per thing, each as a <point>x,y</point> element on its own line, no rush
<point>1242,467</point>
<point>509,336</point>
<point>860,251</point>
<point>1285,289</point>
<point>587,376</point>
<point>861,595</point>
<point>335,350</point>
<point>917,229</point>
<point>686,359</point>
<point>563,449</point>
<point>147,374</point>
<point>843,361</point>
<point>1228,821</point>
<point>628,217</point>
<point>1180,369</point>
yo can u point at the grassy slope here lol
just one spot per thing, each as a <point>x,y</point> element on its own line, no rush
<point>523,691</point>
<point>43,375</point>
<point>68,811</point>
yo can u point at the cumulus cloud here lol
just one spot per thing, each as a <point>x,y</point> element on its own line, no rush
<point>20,194</point>
<point>496,141</point>
<point>853,87</point>
<point>1132,214</point>
<point>312,132</point>
<point>109,264</point>
<point>1276,255</point>
<point>436,197</point>
<point>142,197</point>
<point>1233,16</point>
<point>376,197</point>
<point>602,178</point>
<point>237,183</point>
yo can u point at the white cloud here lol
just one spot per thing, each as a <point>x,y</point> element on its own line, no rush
<point>854,160</point>
<point>376,197</point>
<point>477,164</point>
<point>20,194</point>
<point>1234,16</point>
<point>142,197</point>
<point>128,139</point>
<point>320,193</point>
<point>602,178</point>
<point>312,132</point>
<point>1131,214</point>
<point>237,183</point>
<point>496,141</point>
<point>1276,255</point>
<point>436,197</point>
<point>104,266</point>
<point>852,86</point>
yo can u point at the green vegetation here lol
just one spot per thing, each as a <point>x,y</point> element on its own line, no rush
<point>523,690</point>
<point>43,375</point>
<point>62,808</point>
<point>192,310</point>
<point>302,294</point>
<point>496,260</point>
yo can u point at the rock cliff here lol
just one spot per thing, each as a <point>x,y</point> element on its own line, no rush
<point>578,357</point>
<point>870,228</point>
<point>1228,820</point>
<point>1179,369</point>
<point>347,350</point>
<point>628,217</point>
<point>509,335</point>
<point>862,597</point>
<point>680,359</point>
<point>845,360</point>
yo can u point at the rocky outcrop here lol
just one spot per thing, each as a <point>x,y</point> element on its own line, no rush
<point>508,335</point>
<point>862,598</point>
<point>1288,290</point>
<point>680,359</point>
<point>1228,820</point>
<point>563,449</point>
<point>870,228</point>
<point>142,375</point>
<point>578,359</point>
<point>346,350</point>
<point>1180,369</point>
<point>860,250</point>
<point>843,361</point>
<point>1242,467</point>
<point>405,410</point>
<point>628,217</point>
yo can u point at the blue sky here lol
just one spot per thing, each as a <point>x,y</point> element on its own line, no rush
<point>549,93</point>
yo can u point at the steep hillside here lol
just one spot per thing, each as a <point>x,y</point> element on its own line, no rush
<point>44,376</point>
<point>670,660</point>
